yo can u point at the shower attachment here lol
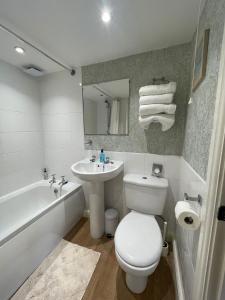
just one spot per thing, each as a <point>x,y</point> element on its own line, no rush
<point>108,107</point>
<point>108,104</point>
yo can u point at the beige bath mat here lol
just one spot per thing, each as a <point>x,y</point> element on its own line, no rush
<point>64,274</point>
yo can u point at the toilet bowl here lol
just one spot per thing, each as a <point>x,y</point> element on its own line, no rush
<point>138,239</point>
<point>138,247</point>
<point>136,278</point>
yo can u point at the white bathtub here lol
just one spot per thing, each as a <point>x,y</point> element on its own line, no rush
<point>32,221</point>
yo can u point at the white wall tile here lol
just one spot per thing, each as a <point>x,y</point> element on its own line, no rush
<point>11,121</point>
<point>21,148</point>
<point>56,122</point>
<point>134,163</point>
<point>122,156</point>
<point>57,140</point>
<point>10,142</point>
<point>62,121</point>
<point>61,93</point>
<point>19,91</point>
<point>77,128</point>
<point>189,182</point>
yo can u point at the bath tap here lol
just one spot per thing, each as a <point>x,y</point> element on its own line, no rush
<point>53,180</point>
<point>62,182</point>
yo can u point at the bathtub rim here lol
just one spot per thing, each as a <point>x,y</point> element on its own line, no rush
<point>69,189</point>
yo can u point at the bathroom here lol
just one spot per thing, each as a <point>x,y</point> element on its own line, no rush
<point>112,150</point>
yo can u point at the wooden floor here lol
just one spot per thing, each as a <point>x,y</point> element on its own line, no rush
<point>108,280</point>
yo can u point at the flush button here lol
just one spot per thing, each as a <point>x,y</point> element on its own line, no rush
<point>157,170</point>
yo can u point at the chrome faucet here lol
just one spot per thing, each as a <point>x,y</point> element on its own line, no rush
<point>63,181</point>
<point>93,158</point>
<point>88,142</point>
<point>61,184</point>
<point>107,160</point>
<point>53,180</point>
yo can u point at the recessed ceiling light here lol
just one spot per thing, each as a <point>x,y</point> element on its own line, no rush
<point>19,50</point>
<point>80,84</point>
<point>106,16</point>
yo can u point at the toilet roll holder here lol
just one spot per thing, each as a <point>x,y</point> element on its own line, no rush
<point>196,199</point>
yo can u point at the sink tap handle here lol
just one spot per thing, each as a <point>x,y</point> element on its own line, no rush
<point>107,159</point>
<point>93,158</point>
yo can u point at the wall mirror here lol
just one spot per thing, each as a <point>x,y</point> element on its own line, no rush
<point>106,108</point>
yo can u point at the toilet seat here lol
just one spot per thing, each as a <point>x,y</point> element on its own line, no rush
<point>136,271</point>
<point>138,241</point>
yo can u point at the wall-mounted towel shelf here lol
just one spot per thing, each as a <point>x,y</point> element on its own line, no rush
<point>155,103</point>
<point>161,80</point>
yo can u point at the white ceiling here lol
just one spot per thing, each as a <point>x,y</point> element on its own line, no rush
<point>72,30</point>
<point>31,57</point>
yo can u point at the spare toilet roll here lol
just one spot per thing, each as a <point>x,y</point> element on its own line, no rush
<point>187,217</point>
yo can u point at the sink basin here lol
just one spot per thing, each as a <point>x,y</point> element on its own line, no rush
<point>95,171</point>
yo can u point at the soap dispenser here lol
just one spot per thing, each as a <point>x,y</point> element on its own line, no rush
<point>102,156</point>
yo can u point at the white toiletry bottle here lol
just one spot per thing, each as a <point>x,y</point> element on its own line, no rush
<point>45,173</point>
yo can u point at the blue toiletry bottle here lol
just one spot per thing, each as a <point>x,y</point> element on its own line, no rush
<point>102,156</point>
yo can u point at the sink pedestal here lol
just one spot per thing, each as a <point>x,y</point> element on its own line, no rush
<point>97,209</point>
<point>96,174</point>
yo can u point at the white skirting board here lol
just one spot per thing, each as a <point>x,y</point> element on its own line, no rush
<point>178,275</point>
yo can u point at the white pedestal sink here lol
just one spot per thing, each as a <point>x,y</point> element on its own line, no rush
<point>96,173</point>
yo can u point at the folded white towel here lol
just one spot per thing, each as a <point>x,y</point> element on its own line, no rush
<point>153,99</point>
<point>166,121</point>
<point>158,89</point>
<point>151,109</point>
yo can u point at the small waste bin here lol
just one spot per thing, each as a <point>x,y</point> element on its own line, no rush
<point>111,221</point>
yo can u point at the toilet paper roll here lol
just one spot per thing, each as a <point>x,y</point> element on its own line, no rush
<point>187,216</point>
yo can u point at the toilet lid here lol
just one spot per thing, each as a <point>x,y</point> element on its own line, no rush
<point>138,239</point>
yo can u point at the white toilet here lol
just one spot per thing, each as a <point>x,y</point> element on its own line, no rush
<point>138,239</point>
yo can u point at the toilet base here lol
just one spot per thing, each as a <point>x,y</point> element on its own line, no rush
<point>136,284</point>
